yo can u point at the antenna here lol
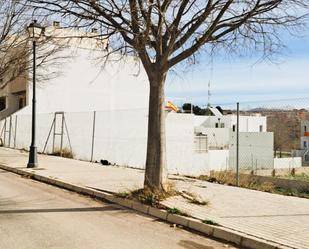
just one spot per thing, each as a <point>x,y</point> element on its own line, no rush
<point>211,78</point>
<point>209,95</point>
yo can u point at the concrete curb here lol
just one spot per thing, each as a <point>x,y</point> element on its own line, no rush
<point>218,232</point>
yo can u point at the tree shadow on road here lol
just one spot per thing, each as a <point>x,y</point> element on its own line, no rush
<point>60,210</point>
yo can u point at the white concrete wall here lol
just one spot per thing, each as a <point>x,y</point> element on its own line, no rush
<point>246,123</point>
<point>121,138</point>
<point>218,160</point>
<point>86,85</point>
<point>217,138</point>
<point>255,150</point>
<point>287,163</point>
<point>180,143</point>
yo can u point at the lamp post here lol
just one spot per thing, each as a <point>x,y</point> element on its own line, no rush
<point>35,31</point>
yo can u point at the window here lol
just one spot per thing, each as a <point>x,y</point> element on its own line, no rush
<point>217,125</point>
<point>2,103</point>
<point>305,128</point>
<point>305,144</point>
<point>261,128</point>
<point>222,125</point>
<point>234,127</point>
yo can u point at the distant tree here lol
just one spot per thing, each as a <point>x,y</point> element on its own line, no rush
<point>165,33</point>
<point>196,109</point>
<point>13,48</point>
<point>187,107</point>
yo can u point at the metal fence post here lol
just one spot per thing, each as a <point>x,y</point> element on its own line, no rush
<point>15,133</point>
<point>4,134</point>
<point>10,131</point>
<point>237,147</point>
<point>93,134</point>
<point>61,138</point>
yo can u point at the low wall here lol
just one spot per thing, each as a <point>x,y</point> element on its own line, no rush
<point>279,172</point>
<point>218,160</point>
<point>287,163</point>
<point>119,136</point>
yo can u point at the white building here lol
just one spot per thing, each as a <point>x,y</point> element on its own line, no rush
<point>106,115</point>
<point>303,152</point>
<point>219,134</point>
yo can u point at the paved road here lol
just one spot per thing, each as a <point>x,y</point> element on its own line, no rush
<point>34,215</point>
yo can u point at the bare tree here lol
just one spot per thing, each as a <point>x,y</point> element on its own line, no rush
<point>15,52</point>
<point>13,48</point>
<point>164,33</point>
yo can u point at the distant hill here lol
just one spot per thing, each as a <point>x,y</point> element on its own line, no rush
<point>285,124</point>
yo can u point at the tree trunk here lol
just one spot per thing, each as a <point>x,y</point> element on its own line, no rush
<point>156,168</point>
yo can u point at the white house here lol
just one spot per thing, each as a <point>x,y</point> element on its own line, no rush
<point>219,134</point>
<point>303,152</point>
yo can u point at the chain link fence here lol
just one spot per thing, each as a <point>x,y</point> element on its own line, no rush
<point>272,135</point>
<point>264,136</point>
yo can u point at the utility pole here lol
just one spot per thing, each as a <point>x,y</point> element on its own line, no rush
<point>237,147</point>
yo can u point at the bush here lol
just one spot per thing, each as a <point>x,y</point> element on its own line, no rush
<point>67,153</point>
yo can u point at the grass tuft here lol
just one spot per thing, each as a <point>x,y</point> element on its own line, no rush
<point>147,196</point>
<point>67,153</point>
<point>175,210</point>
<point>211,222</point>
<point>193,198</point>
<point>122,194</point>
<point>250,182</point>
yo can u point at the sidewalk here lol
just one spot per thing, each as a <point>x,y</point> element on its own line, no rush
<point>281,219</point>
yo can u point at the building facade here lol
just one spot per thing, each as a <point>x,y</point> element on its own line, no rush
<point>303,151</point>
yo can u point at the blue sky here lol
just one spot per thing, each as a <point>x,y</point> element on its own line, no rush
<point>242,79</point>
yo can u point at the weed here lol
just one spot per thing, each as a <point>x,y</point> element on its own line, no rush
<point>148,196</point>
<point>122,194</point>
<point>252,182</point>
<point>67,153</point>
<point>267,187</point>
<point>210,222</point>
<point>198,202</point>
<point>176,211</point>
<point>193,198</point>
<point>299,177</point>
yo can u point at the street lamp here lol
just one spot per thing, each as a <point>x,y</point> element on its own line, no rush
<point>35,31</point>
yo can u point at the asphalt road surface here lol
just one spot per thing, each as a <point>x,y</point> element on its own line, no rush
<point>35,215</point>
